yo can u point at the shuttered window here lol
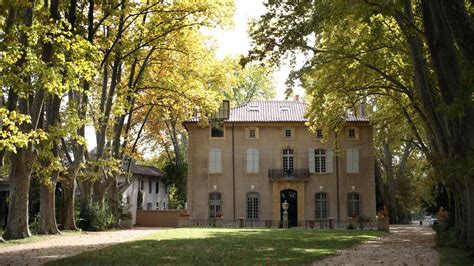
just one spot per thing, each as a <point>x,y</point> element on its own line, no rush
<point>352,160</point>
<point>252,160</point>
<point>215,161</point>
<point>320,161</point>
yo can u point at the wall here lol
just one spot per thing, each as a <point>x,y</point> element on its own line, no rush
<point>270,144</point>
<point>167,218</point>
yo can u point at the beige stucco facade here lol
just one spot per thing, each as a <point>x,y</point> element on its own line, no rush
<point>234,182</point>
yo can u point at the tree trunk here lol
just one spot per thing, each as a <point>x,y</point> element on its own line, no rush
<point>17,221</point>
<point>98,197</point>
<point>47,221</point>
<point>86,196</point>
<point>68,208</point>
<point>470,213</point>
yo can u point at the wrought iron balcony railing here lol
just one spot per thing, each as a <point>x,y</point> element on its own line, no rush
<point>288,174</point>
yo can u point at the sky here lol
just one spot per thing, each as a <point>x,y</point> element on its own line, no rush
<point>236,41</point>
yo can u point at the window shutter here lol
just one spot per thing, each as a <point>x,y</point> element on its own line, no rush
<point>355,160</point>
<point>311,160</point>
<point>329,161</point>
<point>211,161</point>
<point>249,161</point>
<point>218,161</point>
<point>349,161</point>
<point>215,161</point>
<point>255,161</point>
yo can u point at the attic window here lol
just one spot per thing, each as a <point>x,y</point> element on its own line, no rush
<point>254,108</point>
<point>284,108</point>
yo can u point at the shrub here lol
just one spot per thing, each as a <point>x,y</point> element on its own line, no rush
<point>445,235</point>
<point>96,219</point>
<point>34,224</point>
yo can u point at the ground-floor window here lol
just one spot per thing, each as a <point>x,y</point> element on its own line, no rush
<point>214,204</point>
<point>353,204</point>
<point>321,206</point>
<point>252,205</point>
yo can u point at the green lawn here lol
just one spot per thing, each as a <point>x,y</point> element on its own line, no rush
<point>456,256</point>
<point>225,246</point>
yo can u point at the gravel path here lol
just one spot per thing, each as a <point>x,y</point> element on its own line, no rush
<point>64,246</point>
<point>405,245</point>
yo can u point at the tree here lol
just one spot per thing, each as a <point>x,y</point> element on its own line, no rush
<point>253,82</point>
<point>371,51</point>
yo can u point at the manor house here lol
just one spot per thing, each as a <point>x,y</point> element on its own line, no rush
<point>252,158</point>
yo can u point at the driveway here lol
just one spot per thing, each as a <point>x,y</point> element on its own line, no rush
<point>405,245</point>
<point>58,247</point>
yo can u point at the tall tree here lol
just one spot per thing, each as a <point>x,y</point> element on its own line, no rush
<point>407,53</point>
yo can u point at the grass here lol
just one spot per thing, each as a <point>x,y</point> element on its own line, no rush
<point>34,238</point>
<point>456,256</point>
<point>225,246</point>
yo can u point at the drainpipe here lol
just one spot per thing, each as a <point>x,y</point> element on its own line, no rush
<point>337,179</point>
<point>233,170</point>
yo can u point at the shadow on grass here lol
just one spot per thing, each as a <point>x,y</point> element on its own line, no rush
<point>225,246</point>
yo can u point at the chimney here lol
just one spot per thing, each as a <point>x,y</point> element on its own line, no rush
<point>296,98</point>
<point>362,108</point>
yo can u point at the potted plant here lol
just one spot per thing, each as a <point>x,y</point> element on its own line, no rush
<point>219,218</point>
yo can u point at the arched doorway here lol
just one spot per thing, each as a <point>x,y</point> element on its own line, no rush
<point>291,197</point>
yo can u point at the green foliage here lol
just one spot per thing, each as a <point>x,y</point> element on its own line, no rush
<point>251,83</point>
<point>96,219</point>
<point>446,236</point>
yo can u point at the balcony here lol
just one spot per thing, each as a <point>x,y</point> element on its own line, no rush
<point>287,175</point>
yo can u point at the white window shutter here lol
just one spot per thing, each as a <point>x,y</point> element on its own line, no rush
<point>355,160</point>
<point>329,161</point>
<point>211,161</point>
<point>249,161</point>
<point>311,160</point>
<point>256,160</point>
<point>349,161</point>
<point>218,161</point>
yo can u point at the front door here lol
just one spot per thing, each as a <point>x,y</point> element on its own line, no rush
<point>291,197</point>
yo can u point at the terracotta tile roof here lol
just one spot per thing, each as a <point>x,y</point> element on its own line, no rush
<point>274,111</point>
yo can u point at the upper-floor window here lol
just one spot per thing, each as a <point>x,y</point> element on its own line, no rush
<point>215,161</point>
<point>352,133</point>
<point>319,133</point>
<point>320,161</point>
<point>252,161</point>
<point>142,185</point>
<point>217,129</point>
<point>352,161</point>
<point>251,133</point>
<point>288,161</point>
<point>150,187</point>
<point>288,133</point>
<point>157,187</point>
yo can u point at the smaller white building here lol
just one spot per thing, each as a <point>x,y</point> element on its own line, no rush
<point>147,181</point>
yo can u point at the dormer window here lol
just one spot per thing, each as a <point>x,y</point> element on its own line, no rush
<point>254,108</point>
<point>284,108</point>
<point>319,133</point>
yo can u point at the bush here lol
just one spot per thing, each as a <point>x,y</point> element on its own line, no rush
<point>446,236</point>
<point>96,219</point>
<point>34,224</point>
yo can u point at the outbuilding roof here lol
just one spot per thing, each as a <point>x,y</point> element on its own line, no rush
<point>143,170</point>
<point>274,111</point>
